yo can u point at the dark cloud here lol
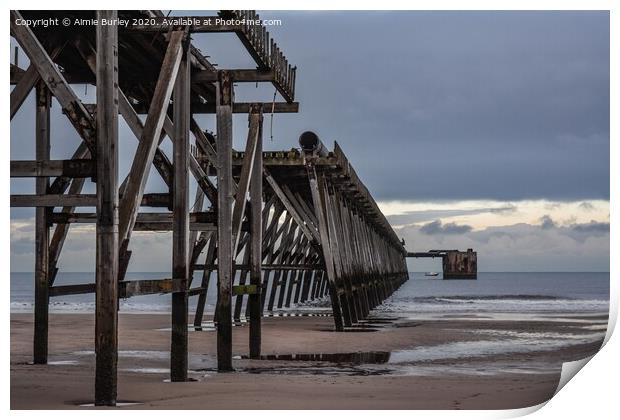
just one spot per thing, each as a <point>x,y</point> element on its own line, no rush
<point>430,105</point>
<point>437,228</point>
<point>592,228</point>
<point>546,222</point>
<point>586,206</point>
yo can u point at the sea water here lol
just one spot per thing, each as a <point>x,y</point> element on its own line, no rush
<point>516,293</point>
<point>491,293</point>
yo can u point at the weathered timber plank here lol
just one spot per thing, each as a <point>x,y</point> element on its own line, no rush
<point>49,72</point>
<point>107,254</point>
<point>61,231</point>
<point>255,120</point>
<point>53,200</point>
<point>256,245</point>
<point>237,108</point>
<point>41,285</point>
<point>245,289</point>
<point>319,211</point>
<point>27,81</point>
<point>126,288</point>
<point>306,226</point>
<point>138,174</point>
<point>238,75</point>
<point>180,222</point>
<point>79,168</point>
<point>224,207</point>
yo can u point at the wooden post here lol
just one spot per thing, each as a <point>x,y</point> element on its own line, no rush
<point>41,285</point>
<point>106,340</point>
<point>224,103</point>
<point>256,237</point>
<point>320,211</point>
<point>180,221</point>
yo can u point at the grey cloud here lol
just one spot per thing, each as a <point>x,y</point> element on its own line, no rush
<point>546,222</point>
<point>521,247</point>
<point>436,228</point>
<point>585,205</point>
<point>471,105</point>
<point>592,227</point>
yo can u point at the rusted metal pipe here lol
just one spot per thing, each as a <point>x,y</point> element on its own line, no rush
<point>310,143</point>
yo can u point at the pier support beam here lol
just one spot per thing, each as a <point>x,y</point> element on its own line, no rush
<point>224,227</point>
<point>256,236</point>
<point>41,286</point>
<point>180,222</point>
<point>318,198</point>
<point>106,339</point>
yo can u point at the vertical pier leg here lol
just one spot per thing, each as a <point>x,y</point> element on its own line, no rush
<point>320,211</point>
<point>224,102</point>
<point>106,339</point>
<point>42,237</point>
<point>256,238</point>
<point>180,222</point>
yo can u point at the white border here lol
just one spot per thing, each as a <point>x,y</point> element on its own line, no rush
<point>593,394</point>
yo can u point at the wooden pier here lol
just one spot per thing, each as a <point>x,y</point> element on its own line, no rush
<point>278,227</point>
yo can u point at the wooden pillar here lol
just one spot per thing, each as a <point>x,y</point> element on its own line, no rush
<point>180,221</point>
<point>106,339</point>
<point>256,238</point>
<point>41,285</point>
<point>320,211</point>
<point>224,103</point>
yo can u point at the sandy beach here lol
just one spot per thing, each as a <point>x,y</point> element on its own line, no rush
<point>388,364</point>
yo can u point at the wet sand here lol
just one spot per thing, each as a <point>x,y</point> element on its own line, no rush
<point>433,364</point>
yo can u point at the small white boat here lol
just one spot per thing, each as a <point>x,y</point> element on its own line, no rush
<point>431,274</point>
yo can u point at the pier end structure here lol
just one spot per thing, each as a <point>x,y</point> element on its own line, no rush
<point>455,264</point>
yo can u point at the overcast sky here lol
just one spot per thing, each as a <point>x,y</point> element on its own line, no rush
<point>466,127</point>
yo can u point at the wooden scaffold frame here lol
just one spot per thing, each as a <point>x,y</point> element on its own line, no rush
<point>282,228</point>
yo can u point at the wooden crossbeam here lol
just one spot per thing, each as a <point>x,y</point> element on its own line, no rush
<point>79,168</point>
<point>202,179</point>
<point>245,289</point>
<point>61,183</point>
<point>71,217</point>
<point>139,172</point>
<point>203,143</point>
<point>238,75</point>
<point>305,225</point>
<point>255,122</point>
<point>237,107</point>
<point>49,72</point>
<point>53,200</point>
<point>79,200</point>
<point>244,108</point>
<point>27,80</point>
<point>61,231</point>
<point>126,288</point>
<point>161,161</point>
<point>16,74</point>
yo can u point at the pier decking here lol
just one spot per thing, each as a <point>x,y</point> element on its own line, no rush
<point>278,227</point>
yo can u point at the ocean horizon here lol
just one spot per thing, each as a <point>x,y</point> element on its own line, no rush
<point>493,292</point>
